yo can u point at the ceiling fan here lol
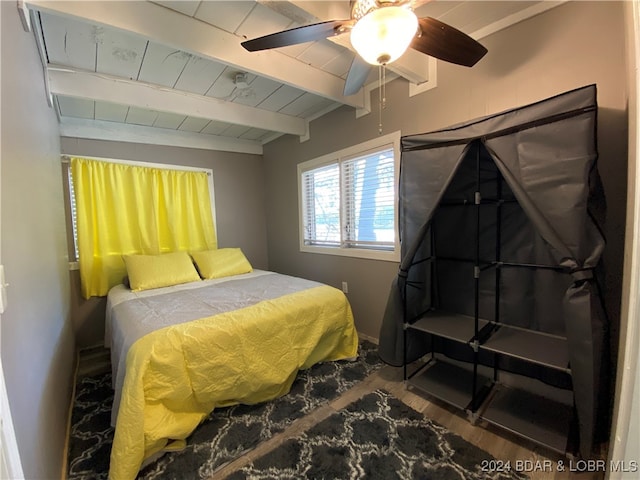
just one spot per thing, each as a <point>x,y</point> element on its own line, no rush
<point>381,31</point>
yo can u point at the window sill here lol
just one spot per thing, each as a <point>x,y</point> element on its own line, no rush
<point>368,254</point>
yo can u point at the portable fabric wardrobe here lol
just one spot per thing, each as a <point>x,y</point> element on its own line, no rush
<point>500,252</point>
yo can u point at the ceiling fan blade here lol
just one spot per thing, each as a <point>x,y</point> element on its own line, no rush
<point>307,33</point>
<point>442,41</point>
<point>358,73</point>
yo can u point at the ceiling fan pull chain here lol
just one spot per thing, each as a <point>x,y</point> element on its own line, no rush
<point>380,99</point>
<point>382,94</point>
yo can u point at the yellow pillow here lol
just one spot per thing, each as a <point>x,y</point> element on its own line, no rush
<point>222,262</point>
<point>154,271</point>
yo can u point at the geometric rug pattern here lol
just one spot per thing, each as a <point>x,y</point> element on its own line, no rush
<point>91,431</point>
<point>225,435</point>
<point>375,437</point>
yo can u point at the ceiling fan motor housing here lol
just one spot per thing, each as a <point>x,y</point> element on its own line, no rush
<point>383,34</point>
<point>359,8</point>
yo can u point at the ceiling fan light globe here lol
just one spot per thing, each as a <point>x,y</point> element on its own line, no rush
<point>384,34</point>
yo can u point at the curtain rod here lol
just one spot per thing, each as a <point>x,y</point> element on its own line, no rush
<point>67,158</point>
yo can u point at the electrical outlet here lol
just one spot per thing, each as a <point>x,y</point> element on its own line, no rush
<point>345,287</point>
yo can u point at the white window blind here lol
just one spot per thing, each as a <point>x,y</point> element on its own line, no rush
<point>321,205</point>
<point>368,192</point>
<point>348,201</point>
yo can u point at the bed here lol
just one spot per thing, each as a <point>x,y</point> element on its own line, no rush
<point>180,351</point>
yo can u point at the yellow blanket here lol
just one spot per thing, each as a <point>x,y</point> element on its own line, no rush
<point>177,375</point>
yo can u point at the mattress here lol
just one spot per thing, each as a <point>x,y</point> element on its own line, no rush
<point>179,352</point>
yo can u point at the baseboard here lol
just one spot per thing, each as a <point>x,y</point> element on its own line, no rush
<point>65,452</point>
<point>368,338</point>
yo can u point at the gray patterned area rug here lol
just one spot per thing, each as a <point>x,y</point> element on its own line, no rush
<point>376,437</point>
<point>224,436</point>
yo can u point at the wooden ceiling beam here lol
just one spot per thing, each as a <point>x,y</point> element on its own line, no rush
<point>190,35</point>
<point>120,132</point>
<point>101,87</point>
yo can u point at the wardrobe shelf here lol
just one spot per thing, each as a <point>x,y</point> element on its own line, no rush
<point>485,264</point>
<point>529,345</point>
<point>449,325</point>
<point>448,382</point>
<point>470,202</point>
<point>539,419</point>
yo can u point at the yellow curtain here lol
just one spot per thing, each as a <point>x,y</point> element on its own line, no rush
<point>124,209</point>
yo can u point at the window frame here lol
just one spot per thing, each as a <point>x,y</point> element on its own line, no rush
<point>70,197</point>
<point>380,143</point>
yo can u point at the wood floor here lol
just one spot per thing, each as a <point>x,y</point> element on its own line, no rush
<point>534,461</point>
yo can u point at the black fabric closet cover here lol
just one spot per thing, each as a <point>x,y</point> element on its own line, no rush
<point>546,153</point>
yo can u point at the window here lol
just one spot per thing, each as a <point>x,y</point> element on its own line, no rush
<point>118,208</point>
<point>348,201</point>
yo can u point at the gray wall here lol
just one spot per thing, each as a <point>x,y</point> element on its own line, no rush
<point>37,339</point>
<point>540,57</point>
<point>239,200</point>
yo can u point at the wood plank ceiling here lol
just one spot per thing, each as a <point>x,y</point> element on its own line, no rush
<point>174,73</point>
